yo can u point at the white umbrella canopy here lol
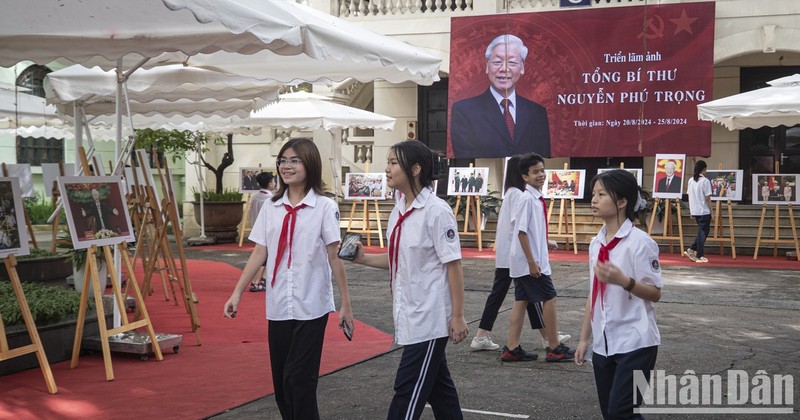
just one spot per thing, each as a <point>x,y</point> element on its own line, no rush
<point>777,104</point>
<point>101,32</point>
<point>93,85</point>
<point>308,111</point>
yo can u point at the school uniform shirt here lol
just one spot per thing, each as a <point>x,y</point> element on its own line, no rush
<point>421,301</point>
<point>697,192</point>
<point>305,291</point>
<point>530,219</point>
<point>256,203</point>
<point>623,322</point>
<point>505,235</point>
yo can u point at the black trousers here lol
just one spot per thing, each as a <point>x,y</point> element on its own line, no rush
<point>614,378</point>
<point>295,351</point>
<point>423,377</point>
<point>502,281</point>
<point>703,228</point>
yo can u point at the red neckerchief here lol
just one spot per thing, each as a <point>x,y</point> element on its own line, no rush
<point>544,207</point>
<point>287,232</point>
<point>598,287</point>
<point>394,244</point>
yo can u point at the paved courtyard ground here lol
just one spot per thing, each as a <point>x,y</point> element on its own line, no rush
<point>711,320</point>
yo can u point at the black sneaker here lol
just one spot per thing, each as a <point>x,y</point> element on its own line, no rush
<point>560,353</point>
<point>517,355</point>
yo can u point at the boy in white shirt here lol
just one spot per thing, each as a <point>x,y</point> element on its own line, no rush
<point>530,265</point>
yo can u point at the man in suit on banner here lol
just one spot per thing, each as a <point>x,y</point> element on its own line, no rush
<point>670,183</point>
<point>498,122</point>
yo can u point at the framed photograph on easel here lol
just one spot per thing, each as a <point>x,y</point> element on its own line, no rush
<point>13,240</point>
<point>775,189</point>
<point>636,172</point>
<point>669,174</point>
<point>564,183</point>
<point>365,186</point>
<point>467,181</point>
<point>97,213</point>
<point>726,184</point>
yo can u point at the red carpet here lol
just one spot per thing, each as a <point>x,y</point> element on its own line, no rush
<point>715,260</point>
<point>230,368</point>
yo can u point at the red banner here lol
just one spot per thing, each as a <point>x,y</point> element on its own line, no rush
<point>610,82</point>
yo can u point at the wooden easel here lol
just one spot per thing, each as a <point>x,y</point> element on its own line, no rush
<point>158,256</point>
<point>366,218</point>
<point>717,228</point>
<point>31,236</point>
<point>473,212</point>
<point>776,239</point>
<point>667,234</point>
<point>243,228</point>
<point>36,343</point>
<point>92,276</point>
<point>564,217</point>
<point>54,194</point>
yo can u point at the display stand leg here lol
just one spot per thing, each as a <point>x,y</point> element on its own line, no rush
<point>7,353</point>
<point>245,219</point>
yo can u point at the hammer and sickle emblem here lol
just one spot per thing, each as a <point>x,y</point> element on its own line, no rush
<point>652,30</point>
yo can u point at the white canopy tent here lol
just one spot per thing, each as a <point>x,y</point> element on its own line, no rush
<point>777,104</point>
<point>101,32</point>
<point>307,111</point>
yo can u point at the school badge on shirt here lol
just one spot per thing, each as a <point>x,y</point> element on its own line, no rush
<point>337,216</point>
<point>654,265</point>
<point>450,233</point>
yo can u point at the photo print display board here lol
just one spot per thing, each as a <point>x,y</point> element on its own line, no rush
<point>22,171</point>
<point>365,186</point>
<point>96,210</point>
<point>726,184</point>
<point>775,189</point>
<point>13,235</point>
<point>669,175</point>
<point>636,172</point>
<point>564,183</point>
<point>247,179</point>
<point>467,181</point>
<point>50,174</point>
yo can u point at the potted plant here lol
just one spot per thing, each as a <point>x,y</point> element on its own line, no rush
<point>41,266</point>
<point>54,310</point>
<point>490,205</point>
<point>222,209</point>
<point>78,259</point>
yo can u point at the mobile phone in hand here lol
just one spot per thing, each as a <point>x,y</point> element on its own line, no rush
<point>347,331</point>
<point>349,250</point>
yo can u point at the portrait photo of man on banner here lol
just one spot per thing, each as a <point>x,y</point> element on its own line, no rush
<point>544,82</point>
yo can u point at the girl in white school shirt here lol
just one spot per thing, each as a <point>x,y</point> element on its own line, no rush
<point>297,232</point>
<point>427,285</point>
<point>625,282</point>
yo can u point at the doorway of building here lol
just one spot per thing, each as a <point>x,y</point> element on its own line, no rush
<point>761,148</point>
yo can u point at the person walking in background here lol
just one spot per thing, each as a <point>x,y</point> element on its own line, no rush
<point>529,266</point>
<point>699,192</point>
<point>299,290</point>
<point>506,234</point>
<point>427,284</point>
<point>266,180</point>
<point>625,283</point>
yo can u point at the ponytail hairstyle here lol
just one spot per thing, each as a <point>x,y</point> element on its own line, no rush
<point>312,162</point>
<point>621,184</point>
<point>699,167</point>
<point>414,152</point>
<point>513,175</point>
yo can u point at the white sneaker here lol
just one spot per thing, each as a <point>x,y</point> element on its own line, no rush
<point>561,338</point>
<point>483,343</point>
<point>691,254</point>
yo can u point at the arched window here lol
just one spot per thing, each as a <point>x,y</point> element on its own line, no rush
<point>36,151</point>
<point>33,79</point>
